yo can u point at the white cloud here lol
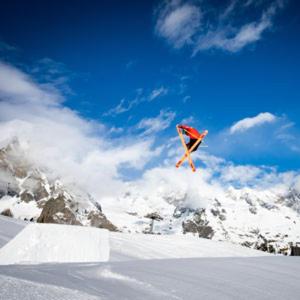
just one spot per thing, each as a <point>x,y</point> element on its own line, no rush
<point>213,179</point>
<point>241,174</point>
<point>59,139</point>
<point>81,151</point>
<point>139,98</point>
<point>156,124</point>
<point>162,91</point>
<point>235,39</point>
<point>248,123</point>
<point>178,23</point>
<point>17,86</point>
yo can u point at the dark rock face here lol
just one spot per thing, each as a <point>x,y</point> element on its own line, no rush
<point>253,210</point>
<point>26,196</point>
<point>198,225</point>
<point>36,185</point>
<point>264,244</point>
<point>206,232</point>
<point>203,231</point>
<point>292,200</point>
<point>219,213</point>
<point>55,211</point>
<point>20,172</point>
<point>58,203</point>
<point>247,244</point>
<point>189,226</point>
<point>98,219</point>
<point>7,212</point>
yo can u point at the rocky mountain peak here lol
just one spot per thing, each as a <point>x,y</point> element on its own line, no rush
<point>30,194</point>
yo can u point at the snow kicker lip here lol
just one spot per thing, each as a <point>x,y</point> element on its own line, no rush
<point>45,243</point>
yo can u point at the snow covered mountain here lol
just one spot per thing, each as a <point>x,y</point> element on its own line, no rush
<point>30,193</point>
<point>264,219</point>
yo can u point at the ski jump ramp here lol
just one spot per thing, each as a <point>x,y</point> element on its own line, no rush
<point>45,243</point>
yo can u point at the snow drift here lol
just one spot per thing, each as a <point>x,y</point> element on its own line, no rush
<point>44,243</point>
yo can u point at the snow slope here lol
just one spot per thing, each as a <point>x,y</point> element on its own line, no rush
<point>56,243</point>
<point>139,277</point>
<point>271,277</point>
<point>40,243</point>
<point>145,246</point>
<point>9,228</point>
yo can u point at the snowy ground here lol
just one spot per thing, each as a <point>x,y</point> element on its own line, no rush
<point>135,272</point>
<point>145,246</point>
<point>72,243</point>
<point>195,278</point>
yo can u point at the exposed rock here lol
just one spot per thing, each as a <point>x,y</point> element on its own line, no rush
<point>26,196</point>
<point>20,172</point>
<point>40,193</point>
<point>199,224</point>
<point>7,212</point>
<point>222,217</point>
<point>217,213</point>
<point>98,219</point>
<point>206,232</point>
<point>264,244</point>
<point>203,231</point>
<point>247,244</point>
<point>189,226</point>
<point>55,211</point>
<point>292,200</point>
<point>200,217</point>
<point>97,204</point>
<point>36,184</point>
<point>253,210</point>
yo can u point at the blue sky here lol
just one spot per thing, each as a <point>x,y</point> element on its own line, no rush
<point>134,65</point>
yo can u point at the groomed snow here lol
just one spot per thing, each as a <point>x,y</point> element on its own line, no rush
<point>131,274</point>
<point>259,278</point>
<point>44,243</point>
<point>124,246</point>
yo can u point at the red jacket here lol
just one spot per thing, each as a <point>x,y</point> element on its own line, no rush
<point>191,132</point>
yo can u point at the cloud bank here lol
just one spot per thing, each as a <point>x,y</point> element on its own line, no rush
<point>58,138</point>
<point>186,24</point>
<point>81,151</point>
